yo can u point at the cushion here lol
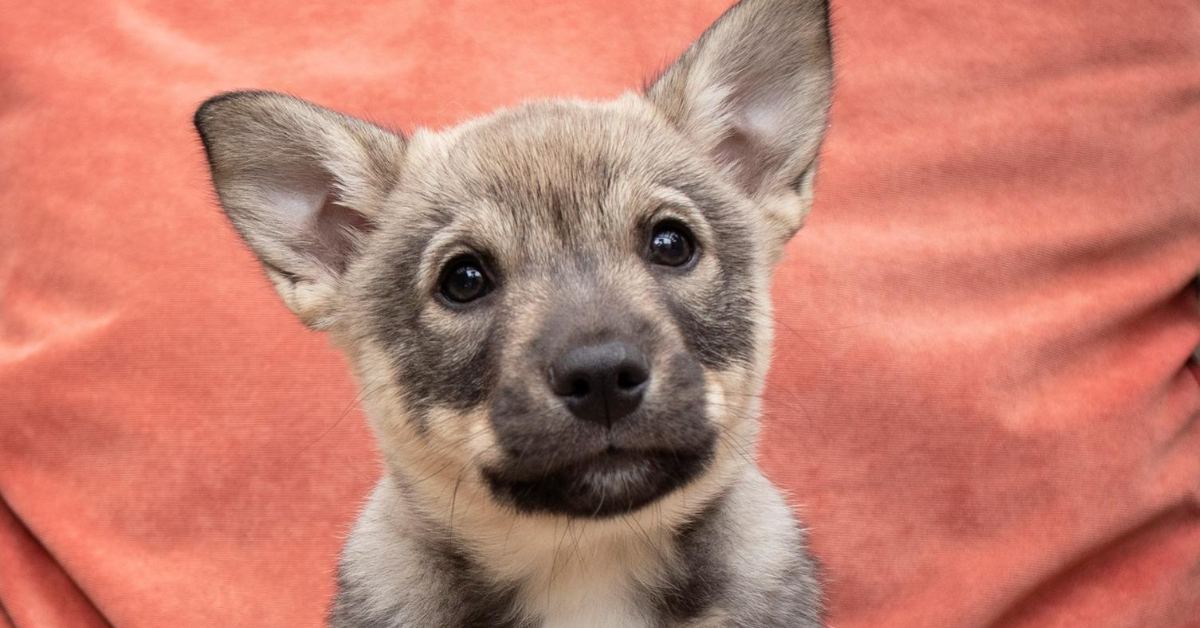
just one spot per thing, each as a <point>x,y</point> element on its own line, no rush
<point>982,404</point>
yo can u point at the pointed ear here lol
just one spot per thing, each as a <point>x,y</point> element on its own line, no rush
<point>303,185</point>
<point>754,92</point>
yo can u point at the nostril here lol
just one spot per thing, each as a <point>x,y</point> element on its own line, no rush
<point>579,388</point>
<point>631,377</point>
<point>570,382</point>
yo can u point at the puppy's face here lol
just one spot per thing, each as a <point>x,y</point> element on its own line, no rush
<point>555,295</point>
<point>564,303</point>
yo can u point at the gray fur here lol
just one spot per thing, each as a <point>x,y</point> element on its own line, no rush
<point>500,507</point>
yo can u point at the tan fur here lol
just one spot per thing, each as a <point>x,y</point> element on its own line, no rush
<point>327,201</point>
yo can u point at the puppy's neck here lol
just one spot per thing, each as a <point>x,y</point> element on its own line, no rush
<point>555,570</point>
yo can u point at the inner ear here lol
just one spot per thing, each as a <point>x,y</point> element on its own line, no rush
<point>734,153</point>
<point>752,148</point>
<point>340,234</point>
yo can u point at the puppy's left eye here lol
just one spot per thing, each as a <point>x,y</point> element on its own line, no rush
<point>671,244</point>
<point>465,280</point>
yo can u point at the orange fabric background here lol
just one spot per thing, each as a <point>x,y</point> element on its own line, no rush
<point>981,398</point>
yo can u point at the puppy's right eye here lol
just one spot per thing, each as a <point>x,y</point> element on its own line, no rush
<point>465,280</point>
<point>671,244</point>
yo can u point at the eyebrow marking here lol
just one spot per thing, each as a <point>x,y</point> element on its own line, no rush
<point>668,195</point>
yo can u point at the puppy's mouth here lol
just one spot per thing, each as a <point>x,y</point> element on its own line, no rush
<point>613,482</point>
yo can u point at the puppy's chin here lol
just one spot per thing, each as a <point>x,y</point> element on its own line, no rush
<point>610,483</point>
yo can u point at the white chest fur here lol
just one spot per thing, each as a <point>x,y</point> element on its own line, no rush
<point>602,611</point>
<point>593,578</point>
<point>589,599</point>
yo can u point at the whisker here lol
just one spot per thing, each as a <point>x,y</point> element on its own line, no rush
<point>359,398</point>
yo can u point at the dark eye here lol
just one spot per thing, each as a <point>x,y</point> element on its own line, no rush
<point>671,244</point>
<point>464,280</point>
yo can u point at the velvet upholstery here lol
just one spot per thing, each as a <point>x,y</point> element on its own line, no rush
<point>982,403</point>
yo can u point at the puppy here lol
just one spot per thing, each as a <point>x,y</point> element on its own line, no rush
<point>560,318</point>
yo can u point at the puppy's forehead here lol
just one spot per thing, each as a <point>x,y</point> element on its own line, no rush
<point>544,141</point>
<point>569,167</point>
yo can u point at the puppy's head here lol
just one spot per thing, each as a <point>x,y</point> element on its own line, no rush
<point>565,303</point>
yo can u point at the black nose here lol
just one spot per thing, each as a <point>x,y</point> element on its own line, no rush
<point>602,383</point>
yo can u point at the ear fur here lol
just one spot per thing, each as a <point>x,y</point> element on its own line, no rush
<point>754,91</point>
<point>302,185</point>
